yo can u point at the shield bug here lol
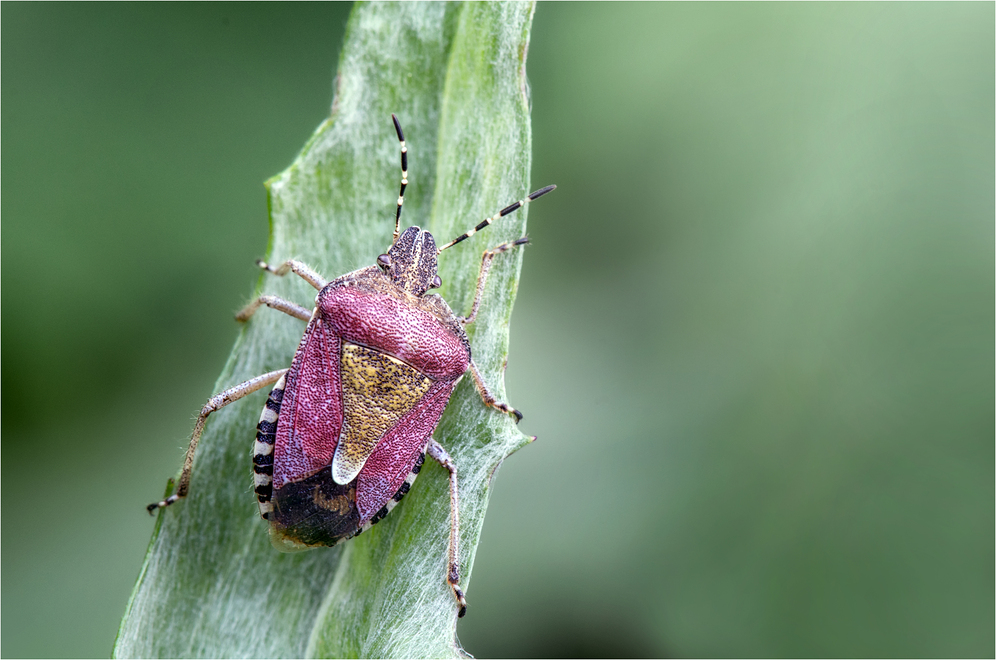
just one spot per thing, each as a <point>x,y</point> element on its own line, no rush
<point>347,427</point>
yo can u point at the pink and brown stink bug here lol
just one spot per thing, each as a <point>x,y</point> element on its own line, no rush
<point>346,428</point>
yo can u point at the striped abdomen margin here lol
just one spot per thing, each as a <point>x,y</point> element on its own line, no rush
<point>262,457</point>
<point>398,496</point>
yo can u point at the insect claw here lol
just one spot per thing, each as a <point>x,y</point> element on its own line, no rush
<point>461,600</point>
<point>152,508</point>
<point>162,504</point>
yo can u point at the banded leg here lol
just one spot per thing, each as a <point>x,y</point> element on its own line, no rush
<point>216,402</point>
<point>279,304</point>
<point>505,211</point>
<point>404,178</point>
<point>306,273</point>
<point>436,451</point>
<point>482,277</point>
<point>489,398</point>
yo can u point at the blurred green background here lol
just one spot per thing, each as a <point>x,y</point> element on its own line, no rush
<point>754,332</point>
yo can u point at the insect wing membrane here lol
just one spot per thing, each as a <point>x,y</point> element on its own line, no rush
<point>311,414</point>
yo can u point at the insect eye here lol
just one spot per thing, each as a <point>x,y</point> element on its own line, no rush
<point>384,261</point>
<point>436,283</point>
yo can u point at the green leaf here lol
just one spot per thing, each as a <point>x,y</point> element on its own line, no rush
<point>212,585</point>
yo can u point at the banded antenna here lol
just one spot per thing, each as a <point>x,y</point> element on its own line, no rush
<point>505,211</point>
<point>404,178</point>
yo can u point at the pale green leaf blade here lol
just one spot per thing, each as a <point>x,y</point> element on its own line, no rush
<point>212,585</point>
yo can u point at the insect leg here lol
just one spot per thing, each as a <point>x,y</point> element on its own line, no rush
<point>404,178</point>
<point>216,402</point>
<point>482,277</point>
<point>310,276</point>
<point>279,304</point>
<point>488,397</point>
<point>436,451</point>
